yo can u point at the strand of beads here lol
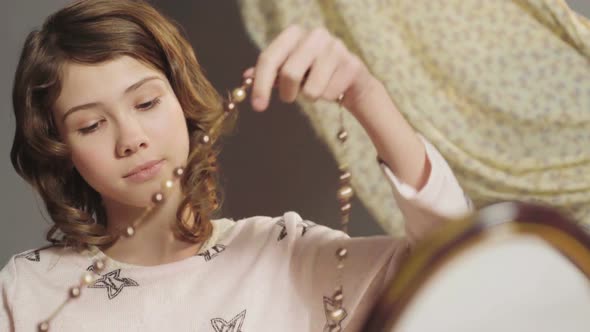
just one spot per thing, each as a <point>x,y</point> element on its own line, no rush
<point>73,293</point>
<point>237,96</point>
<point>345,195</point>
<point>99,265</point>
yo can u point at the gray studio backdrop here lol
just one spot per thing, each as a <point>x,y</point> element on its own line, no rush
<point>271,165</point>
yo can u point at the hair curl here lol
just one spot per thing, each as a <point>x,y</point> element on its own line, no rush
<point>91,32</point>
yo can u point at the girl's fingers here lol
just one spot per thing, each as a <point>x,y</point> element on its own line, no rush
<point>248,72</point>
<point>342,78</point>
<point>269,62</point>
<point>316,64</point>
<point>299,62</point>
<point>322,70</point>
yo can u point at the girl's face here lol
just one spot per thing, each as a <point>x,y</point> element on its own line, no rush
<point>116,116</point>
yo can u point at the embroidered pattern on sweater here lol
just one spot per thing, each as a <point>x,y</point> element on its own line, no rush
<point>234,325</point>
<point>304,224</point>
<point>33,256</point>
<point>113,283</point>
<point>211,253</point>
<point>332,325</point>
<point>92,269</point>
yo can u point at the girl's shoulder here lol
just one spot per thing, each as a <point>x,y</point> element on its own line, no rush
<point>262,230</point>
<point>254,226</point>
<point>39,255</point>
<point>44,261</point>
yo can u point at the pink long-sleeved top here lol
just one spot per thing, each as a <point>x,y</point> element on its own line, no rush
<point>255,274</point>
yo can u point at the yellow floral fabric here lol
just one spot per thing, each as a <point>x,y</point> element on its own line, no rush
<point>501,88</point>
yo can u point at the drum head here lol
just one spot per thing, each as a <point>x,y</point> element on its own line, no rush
<point>508,267</point>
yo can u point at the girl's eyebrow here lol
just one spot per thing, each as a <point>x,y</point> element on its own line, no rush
<point>131,88</point>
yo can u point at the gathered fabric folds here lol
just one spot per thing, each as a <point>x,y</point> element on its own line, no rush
<point>501,88</point>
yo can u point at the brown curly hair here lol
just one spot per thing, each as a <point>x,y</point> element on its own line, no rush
<point>91,32</point>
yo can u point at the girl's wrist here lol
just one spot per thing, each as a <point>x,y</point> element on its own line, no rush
<point>360,98</point>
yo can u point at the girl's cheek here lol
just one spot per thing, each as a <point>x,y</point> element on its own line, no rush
<point>165,120</point>
<point>91,156</point>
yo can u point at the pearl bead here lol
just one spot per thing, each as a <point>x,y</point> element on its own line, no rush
<point>168,184</point>
<point>238,94</point>
<point>345,193</point>
<point>43,327</point>
<point>342,253</point>
<point>338,296</point>
<point>248,81</point>
<point>99,265</point>
<point>74,292</point>
<point>130,231</point>
<point>205,139</point>
<point>158,198</point>
<point>178,171</point>
<point>345,177</point>
<point>230,106</point>
<point>337,315</point>
<point>87,278</point>
<point>335,328</point>
<point>342,135</point>
<point>345,208</point>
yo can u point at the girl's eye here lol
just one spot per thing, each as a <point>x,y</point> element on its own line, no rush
<point>91,128</point>
<point>148,105</point>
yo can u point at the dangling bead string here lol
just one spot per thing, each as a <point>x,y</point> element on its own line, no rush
<point>234,98</point>
<point>157,198</point>
<point>345,195</point>
<point>237,96</point>
<point>100,264</point>
<point>74,292</point>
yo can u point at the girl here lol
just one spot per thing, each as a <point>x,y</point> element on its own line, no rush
<point>116,130</point>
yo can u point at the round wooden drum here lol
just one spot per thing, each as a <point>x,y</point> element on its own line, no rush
<point>509,267</point>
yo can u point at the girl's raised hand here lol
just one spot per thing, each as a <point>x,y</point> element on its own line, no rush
<point>313,63</point>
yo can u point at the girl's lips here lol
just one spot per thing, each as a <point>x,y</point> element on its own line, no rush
<point>145,173</point>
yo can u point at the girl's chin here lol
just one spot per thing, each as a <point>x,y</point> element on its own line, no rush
<point>148,196</point>
<point>131,202</point>
<point>143,201</point>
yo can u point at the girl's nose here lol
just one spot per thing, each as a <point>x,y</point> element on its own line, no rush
<point>131,139</point>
